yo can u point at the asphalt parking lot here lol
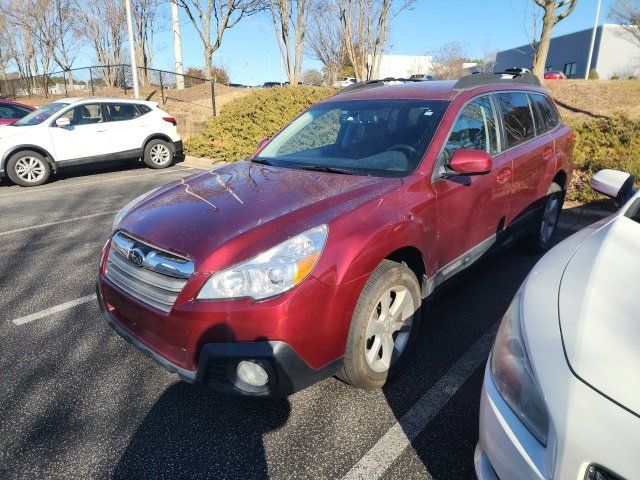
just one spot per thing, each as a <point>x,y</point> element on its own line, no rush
<point>77,401</point>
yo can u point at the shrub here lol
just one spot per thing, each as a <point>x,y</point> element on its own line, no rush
<point>593,74</point>
<point>608,142</point>
<point>234,134</point>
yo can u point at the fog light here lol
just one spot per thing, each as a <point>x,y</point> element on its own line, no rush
<point>252,373</point>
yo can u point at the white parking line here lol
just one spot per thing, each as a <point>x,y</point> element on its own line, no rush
<point>52,310</point>
<point>49,224</point>
<point>380,457</point>
<point>80,184</point>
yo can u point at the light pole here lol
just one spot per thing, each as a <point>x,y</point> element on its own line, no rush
<point>177,44</point>
<point>132,51</point>
<point>593,41</point>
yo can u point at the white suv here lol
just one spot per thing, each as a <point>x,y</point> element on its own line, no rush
<point>74,131</point>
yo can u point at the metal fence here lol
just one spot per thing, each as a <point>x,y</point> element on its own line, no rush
<point>112,80</point>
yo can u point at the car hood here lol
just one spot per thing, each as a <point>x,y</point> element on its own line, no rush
<point>263,205</point>
<point>599,305</point>
<point>10,131</point>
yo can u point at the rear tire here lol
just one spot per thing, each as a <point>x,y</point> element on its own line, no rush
<point>384,327</point>
<point>158,154</point>
<point>28,168</point>
<point>547,222</point>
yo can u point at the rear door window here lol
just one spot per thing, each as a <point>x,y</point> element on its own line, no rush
<point>517,117</point>
<point>119,112</point>
<point>548,113</point>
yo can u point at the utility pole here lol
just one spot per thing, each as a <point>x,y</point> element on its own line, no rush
<point>593,40</point>
<point>177,44</point>
<point>132,51</point>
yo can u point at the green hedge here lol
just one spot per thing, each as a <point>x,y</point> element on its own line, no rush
<point>606,142</point>
<point>234,134</point>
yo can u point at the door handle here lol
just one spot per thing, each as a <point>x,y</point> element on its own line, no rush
<point>547,153</point>
<point>504,175</point>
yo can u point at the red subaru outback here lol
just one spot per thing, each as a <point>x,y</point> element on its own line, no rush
<point>313,257</point>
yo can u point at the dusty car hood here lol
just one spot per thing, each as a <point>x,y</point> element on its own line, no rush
<point>203,213</point>
<point>599,306</point>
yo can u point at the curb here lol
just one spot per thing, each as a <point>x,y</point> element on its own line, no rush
<point>202,162</point>
<point>582,213</point>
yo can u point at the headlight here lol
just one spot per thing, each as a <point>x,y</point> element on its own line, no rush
<point>131,205</point>
<point>513,376</point>
<point>272,272</point>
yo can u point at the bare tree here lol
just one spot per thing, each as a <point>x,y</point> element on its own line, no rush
<point>325,41</point>
<point>365,26</point>
<point>104,28</point>
<point>146,19</point>
<point>448,61</point>
<point>219,14</point>
<point>312,77</point>
<point>554,12</point>
<point>290,19</point>
<point>627,14</point>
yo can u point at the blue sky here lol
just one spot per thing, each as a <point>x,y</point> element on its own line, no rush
<point>250,52</point>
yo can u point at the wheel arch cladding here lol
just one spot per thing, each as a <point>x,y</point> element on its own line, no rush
<point>32,148</point>
<point>412,258</point>
<point>158,136</point>
<point>560,179</point>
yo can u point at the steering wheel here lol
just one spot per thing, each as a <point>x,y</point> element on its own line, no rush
<point>408,150</point>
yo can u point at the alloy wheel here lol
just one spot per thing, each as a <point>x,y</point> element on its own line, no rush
<point>159,154</point>
<point>30,169</point>
<point>389,328</point>
<point>549,218</point>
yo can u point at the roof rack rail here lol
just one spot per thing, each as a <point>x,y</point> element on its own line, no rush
<point>479,79</point>
<point>376,83</point>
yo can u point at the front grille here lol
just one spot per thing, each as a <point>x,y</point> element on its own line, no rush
<point>153,276</point>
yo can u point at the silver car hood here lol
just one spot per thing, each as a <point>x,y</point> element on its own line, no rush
<point>599,307</point>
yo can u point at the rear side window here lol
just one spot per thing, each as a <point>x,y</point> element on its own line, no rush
<point>144,109</point>
<point>119,112</point>
<point>548,113</point>
<point>476,129</point>
<point>516,117</point>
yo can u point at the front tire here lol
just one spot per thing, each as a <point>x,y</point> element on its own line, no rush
<point>28,169</point>
<point>158,154</point>
<point>383,327</point>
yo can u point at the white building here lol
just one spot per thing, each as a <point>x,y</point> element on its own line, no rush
<point>403,66</point>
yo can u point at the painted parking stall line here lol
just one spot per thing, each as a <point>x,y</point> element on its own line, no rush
<point>58,222</point>
<point>50,311</point>
<point>386,450</point>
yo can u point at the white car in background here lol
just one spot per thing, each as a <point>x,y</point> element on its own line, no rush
<point>77,131</point>
<point>561,394</point>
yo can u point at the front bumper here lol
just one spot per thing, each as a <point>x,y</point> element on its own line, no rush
<point>217,362</point>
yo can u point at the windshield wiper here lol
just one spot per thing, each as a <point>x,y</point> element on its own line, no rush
<point>261,161</point>
<point>324,168</point>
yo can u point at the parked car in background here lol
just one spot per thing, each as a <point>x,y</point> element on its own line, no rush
<point>11,112</point>
<point>554,75</point>
<point>421,76</point>
<point>344,82</point>
<point>313,257</point>
<point>561,394</point>
<point>76,131</point>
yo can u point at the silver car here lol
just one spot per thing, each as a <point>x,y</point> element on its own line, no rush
<point>561,394</point>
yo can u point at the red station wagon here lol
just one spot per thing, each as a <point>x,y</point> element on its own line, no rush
<point>313,257</point>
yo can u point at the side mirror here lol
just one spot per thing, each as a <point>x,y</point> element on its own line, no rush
<point>470,162</point>
<point>614,184</point>
<point>63,122</point>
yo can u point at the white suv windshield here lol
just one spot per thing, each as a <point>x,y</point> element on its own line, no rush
<point>38,116</point>
<point>368,137</point>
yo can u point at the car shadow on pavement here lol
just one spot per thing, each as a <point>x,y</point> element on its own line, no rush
<point>458,315</point>
<point>192,432</point>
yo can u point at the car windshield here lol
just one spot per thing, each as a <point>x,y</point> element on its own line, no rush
<point>368,137</point>
<point>38,116</point>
